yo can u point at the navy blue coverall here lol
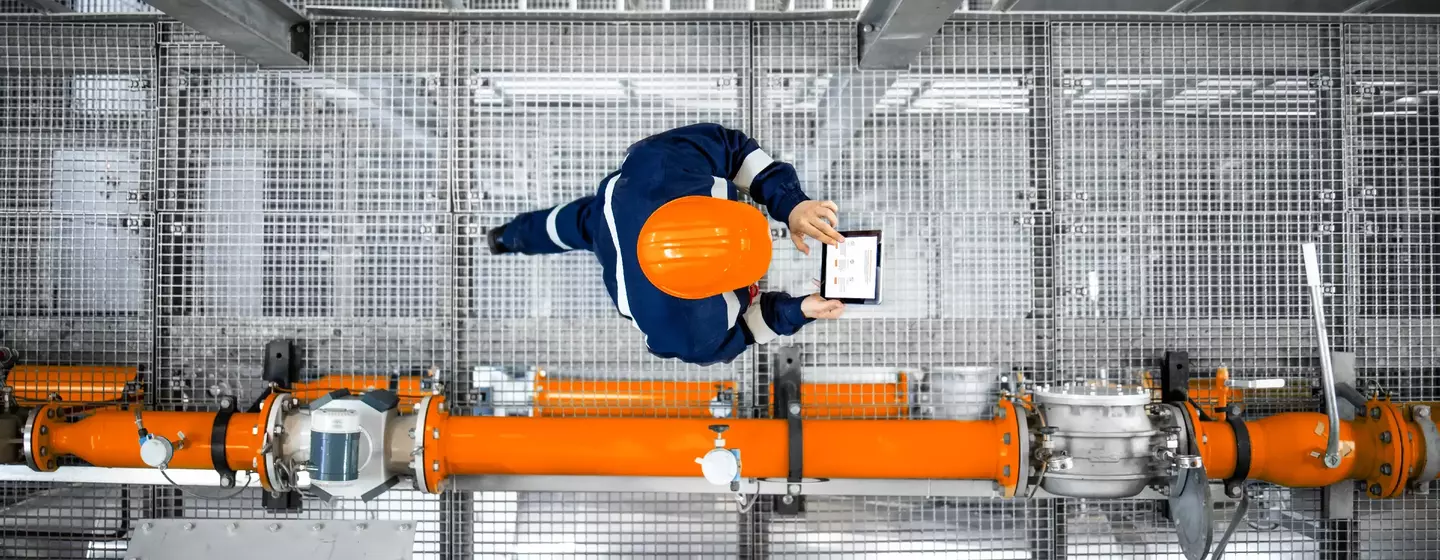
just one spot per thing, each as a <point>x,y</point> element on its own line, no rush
<point>696,160</point>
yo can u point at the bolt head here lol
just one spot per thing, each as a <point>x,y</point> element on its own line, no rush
<point>1375,489</point>
<point>1386,469</point>
<point>1233,491</point>
<point>147,527</point>
<point>254,430</point>
<point>404,526</point>
<point>1375,413</point>
<point>44,430</point>
<point>1385,436</point>
<point>274,527</point>
<point>44,451</point>
<point>794,409</point>
<point>435,433</point>
<point>792,489</point>
<point>411,433</point>
<point>254,462</point>
<point>361,527</point>
<point>1005,471</point>
<point>317,527</point>
<point>1422,411</point>
<point>188,526</point>
<point>1005,438</point>
<point>787,499</point>
<point>277,430</point>
<point>233,527</point>
<point>226,402</point>
<point>435,466</point>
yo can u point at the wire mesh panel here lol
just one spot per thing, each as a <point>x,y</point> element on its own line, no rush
<point>844,527</point>
<point>1392,125</point>
<point>1192,161</point>
<point>937,158</point>
<point>603,525</point>
<point>552,108</point>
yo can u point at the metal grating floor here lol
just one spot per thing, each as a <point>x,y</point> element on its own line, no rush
<point>1065,198</point>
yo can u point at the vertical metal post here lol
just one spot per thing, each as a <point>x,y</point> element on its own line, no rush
<point>457,518</point>
<point>1340,539</point>
<point>1041,219</point>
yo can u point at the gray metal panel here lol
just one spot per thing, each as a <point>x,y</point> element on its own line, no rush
<point>223,539</point>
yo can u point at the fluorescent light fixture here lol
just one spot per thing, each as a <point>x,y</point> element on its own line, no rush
<point>975,84</point>
<point>1412,100</point>
<point>1394,113</point>
<point>1129,82</point>
<point>1283,92</point>
<point>1192,102</point>
<point>1383,83</point>
<point>1227,83</point>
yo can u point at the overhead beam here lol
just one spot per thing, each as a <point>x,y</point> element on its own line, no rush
<point>1186,6</point>
<point>1367,6</point>
<point>48,6</point>
<point>269,32</point>
<point>893,32</point>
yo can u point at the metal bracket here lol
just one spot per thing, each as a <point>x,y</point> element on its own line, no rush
<point>218,432</point>
<point>270,32</point>
<point>1175,377</point>
<point>787,383</point>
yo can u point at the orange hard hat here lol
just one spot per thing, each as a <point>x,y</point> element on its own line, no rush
<point>695,247</point>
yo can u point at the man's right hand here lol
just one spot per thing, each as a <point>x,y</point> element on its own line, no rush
<point>817,220</point>
<point>816,307</point>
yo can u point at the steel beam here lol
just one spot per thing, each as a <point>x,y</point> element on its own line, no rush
<point>1186,6</point>
<point>1367,6</point>
<point>892,32</point>
<point>269,32</point>
<point>48,6</point>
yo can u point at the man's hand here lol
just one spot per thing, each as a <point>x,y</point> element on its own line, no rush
<point>815,219</point>
<point>816,307</point>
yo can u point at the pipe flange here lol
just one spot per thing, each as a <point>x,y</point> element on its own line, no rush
<point>1014,464</point>
<point>274,477</point>
<point>35,440</point>
<point>1392,452</point>
<point>1431,470</point>
<point>428,473</point>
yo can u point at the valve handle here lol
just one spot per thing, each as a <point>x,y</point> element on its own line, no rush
<point>719,428</point>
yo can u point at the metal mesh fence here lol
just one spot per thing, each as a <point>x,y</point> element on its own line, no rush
<point>1058,198</point>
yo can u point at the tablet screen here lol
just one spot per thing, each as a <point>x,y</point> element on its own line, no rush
<point>851,272</point>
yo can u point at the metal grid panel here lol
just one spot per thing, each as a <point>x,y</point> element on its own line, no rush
<point>551,109</point>
<point>1392,91</point>
<point>1191,163</point>
<point>845,527</point>
<point>604,525</point>
<point>937,158</point>
<point>77,117</point>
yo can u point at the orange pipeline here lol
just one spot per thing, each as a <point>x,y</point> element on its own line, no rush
<point>409,388</point>
<point>33,384</point>
<point>626,398</point>
<point>108,438</point>
<point>854,400</point>
<point>942,449</point>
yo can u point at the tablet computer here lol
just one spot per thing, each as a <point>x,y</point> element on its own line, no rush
<point>850,271</point>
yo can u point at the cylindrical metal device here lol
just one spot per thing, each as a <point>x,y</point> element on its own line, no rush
<point>334,445</point>
<point>1107,434</point>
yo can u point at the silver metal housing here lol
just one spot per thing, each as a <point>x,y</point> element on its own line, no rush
<point>1108,435</point>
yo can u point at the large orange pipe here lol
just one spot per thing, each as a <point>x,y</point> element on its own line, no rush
<point>1287,448</point>
<point>409,388</point>
<point>108,438</point>
<point>945,449</point>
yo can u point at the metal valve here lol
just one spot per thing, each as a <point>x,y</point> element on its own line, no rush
<point>1189,462</point>
<point>721,466</point>
<point>1060,462</point>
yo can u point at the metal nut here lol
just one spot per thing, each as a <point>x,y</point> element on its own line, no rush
<point>277,430</point>
<point>435,466</point>
<point>794,409</point>
<point>411,433</point>
<point>317,527</point>
<point>44,451</point>
<point>233,528</point>
<point>1375,489</point>
<point>404,527</point>
<point>787,499</point>
<point>274,527</point>
<point>1385,436</point>
<point>44,430</point>
<point>226,402</point>
<point>361,527</point>
<point>147,527</point>
<point>1234,490</point>
<point>1375,413</point>
<point>188,526</point>
<point>1005,438</point>
<point>1386,469</point>
<point>435,433</point>
<point>792,489</point>
<point>1005,471</point>
<point>1422,411</point>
